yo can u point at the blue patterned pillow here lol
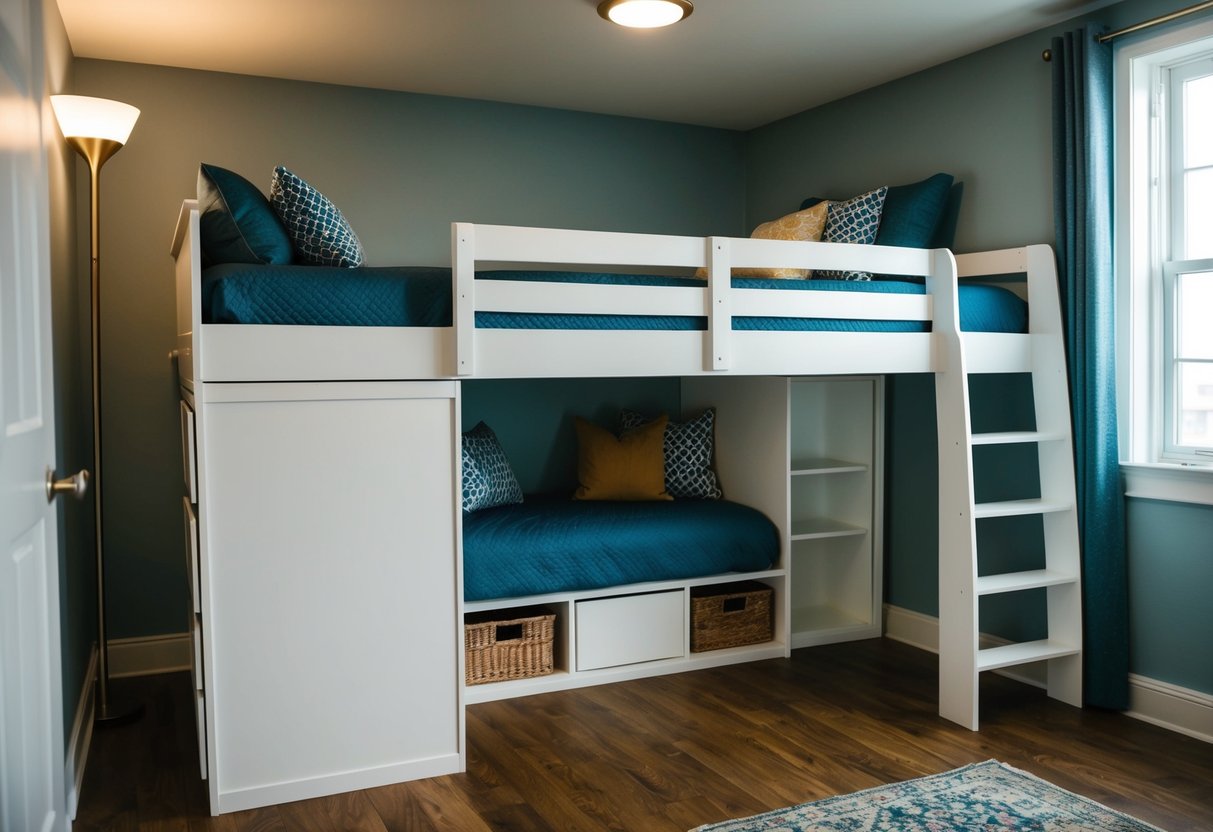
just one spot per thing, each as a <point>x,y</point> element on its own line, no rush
<point>689,448</point>
<point>854,221</point>
<point>488,479</point>
<point>318,230</point>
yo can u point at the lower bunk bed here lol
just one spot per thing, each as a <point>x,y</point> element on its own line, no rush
<point>615,584</point>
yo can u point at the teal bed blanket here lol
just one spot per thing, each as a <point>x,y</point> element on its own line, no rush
<point>421,296</point>
<point>542,545</point>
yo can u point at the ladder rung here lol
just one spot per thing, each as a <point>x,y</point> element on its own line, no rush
<point>1016,581</point>
<point>993,658</point>
<point>1011,508</point>
<point>1017,437</point>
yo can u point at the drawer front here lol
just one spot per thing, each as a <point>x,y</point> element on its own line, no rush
<point>188,465</point>
<point>192,567</point>
<point>630,629</point>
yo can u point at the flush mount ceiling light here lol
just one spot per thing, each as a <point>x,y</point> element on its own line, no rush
<point>645,14</point>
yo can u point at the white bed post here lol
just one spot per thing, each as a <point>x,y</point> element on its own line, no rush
<point>463,311</point>
<point>720,312</point>
<point>957,533</point>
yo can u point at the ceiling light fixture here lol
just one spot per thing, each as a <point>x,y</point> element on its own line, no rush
<point>645,14</point>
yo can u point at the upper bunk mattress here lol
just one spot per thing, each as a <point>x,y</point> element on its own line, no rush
<point>559,545</point>
<point>421,296</point>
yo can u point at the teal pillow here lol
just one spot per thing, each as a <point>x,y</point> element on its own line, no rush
<point>488,479</point>
<point>912,213</point>
<point>945,233</point>
<point>236,223</point>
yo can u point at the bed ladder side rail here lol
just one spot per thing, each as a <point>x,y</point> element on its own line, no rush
<point>961,657</point>
<point>463,298</point>
<point>957,529</point>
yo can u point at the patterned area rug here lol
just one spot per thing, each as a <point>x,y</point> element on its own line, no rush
<point>983,797</point>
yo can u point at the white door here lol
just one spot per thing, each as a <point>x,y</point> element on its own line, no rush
<point>32,797</point>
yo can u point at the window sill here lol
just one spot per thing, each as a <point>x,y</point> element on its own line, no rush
<point>1170,482</point>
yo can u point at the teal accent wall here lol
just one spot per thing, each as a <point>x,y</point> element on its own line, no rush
<point>401,167</point>
<point>985,118</point>
<point>533,419</point>
<point>1170,575</point>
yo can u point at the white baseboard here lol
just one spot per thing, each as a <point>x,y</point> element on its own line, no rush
<point>1168,706</point>
<point>147,655</point>
<point>81,737</point>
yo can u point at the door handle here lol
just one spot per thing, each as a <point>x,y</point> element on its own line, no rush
<point>76,484</point>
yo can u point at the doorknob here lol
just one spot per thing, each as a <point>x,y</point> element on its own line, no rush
<point>75,485</point>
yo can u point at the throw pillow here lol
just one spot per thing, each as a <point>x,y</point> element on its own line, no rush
<point>804,225</point>
<point>488,479</point>
<point>627,467</point>
<point>855,220</point>
<point>689,447</point>
<point>912,213</point>
<point>235,221</point>
<point>317,228</point>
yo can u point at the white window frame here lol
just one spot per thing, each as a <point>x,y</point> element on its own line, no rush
<point>1151,469</point>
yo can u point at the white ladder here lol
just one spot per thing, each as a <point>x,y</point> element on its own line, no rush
<point>1042,353</point>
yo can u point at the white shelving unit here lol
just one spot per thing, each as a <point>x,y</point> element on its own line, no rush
<point>808,452</point>
<point>835,451</point>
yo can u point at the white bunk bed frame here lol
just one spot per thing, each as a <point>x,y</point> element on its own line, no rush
<point>229,355</point>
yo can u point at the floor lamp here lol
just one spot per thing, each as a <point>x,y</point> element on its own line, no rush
<point>97,128</point>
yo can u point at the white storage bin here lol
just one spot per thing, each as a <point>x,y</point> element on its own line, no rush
<point>630,628</point>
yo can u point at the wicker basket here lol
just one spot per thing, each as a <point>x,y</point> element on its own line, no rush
<point>731,615</point>
<point>497,649</point>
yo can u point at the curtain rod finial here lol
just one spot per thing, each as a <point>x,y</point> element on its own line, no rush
<point>1047,55</point>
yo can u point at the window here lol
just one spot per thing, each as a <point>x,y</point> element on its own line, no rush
<point>1165,247</point>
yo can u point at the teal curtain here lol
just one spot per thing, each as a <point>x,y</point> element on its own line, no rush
<point>1082,203</point>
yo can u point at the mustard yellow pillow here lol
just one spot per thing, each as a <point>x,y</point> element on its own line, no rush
<point>807,225</point>
<point>630,467</point>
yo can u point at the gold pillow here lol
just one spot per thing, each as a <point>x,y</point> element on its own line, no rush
<point>807,225</point>
<point>630,467</point>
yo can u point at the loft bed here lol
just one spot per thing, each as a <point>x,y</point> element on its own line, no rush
<point>322,470</point>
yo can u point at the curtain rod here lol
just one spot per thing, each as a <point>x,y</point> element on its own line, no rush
<point>1155,21</point>
<point>1145,24</point>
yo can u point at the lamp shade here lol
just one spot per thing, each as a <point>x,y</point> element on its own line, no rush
<point>645,14</point>
<point>81,116</point>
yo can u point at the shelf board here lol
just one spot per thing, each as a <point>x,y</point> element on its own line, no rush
<point>1017,437</point>
<point>824,465</point>
<point>823,617</point>
<point>1025,652</point>
<point>817,528</point>
<point>1013,508</point>
<point>1017,581</point>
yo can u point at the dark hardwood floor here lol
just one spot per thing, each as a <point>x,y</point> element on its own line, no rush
<point>676,751</point>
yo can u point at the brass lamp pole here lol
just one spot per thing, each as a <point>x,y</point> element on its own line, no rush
<point>97,128</point>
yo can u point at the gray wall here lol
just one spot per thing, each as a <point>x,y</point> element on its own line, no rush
<point>401,167</point>
<point>985,119</point>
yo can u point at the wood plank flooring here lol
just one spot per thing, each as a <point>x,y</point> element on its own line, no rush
<point>674,752</point>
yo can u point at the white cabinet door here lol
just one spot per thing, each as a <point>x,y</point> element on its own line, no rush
<point>332,615</point>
